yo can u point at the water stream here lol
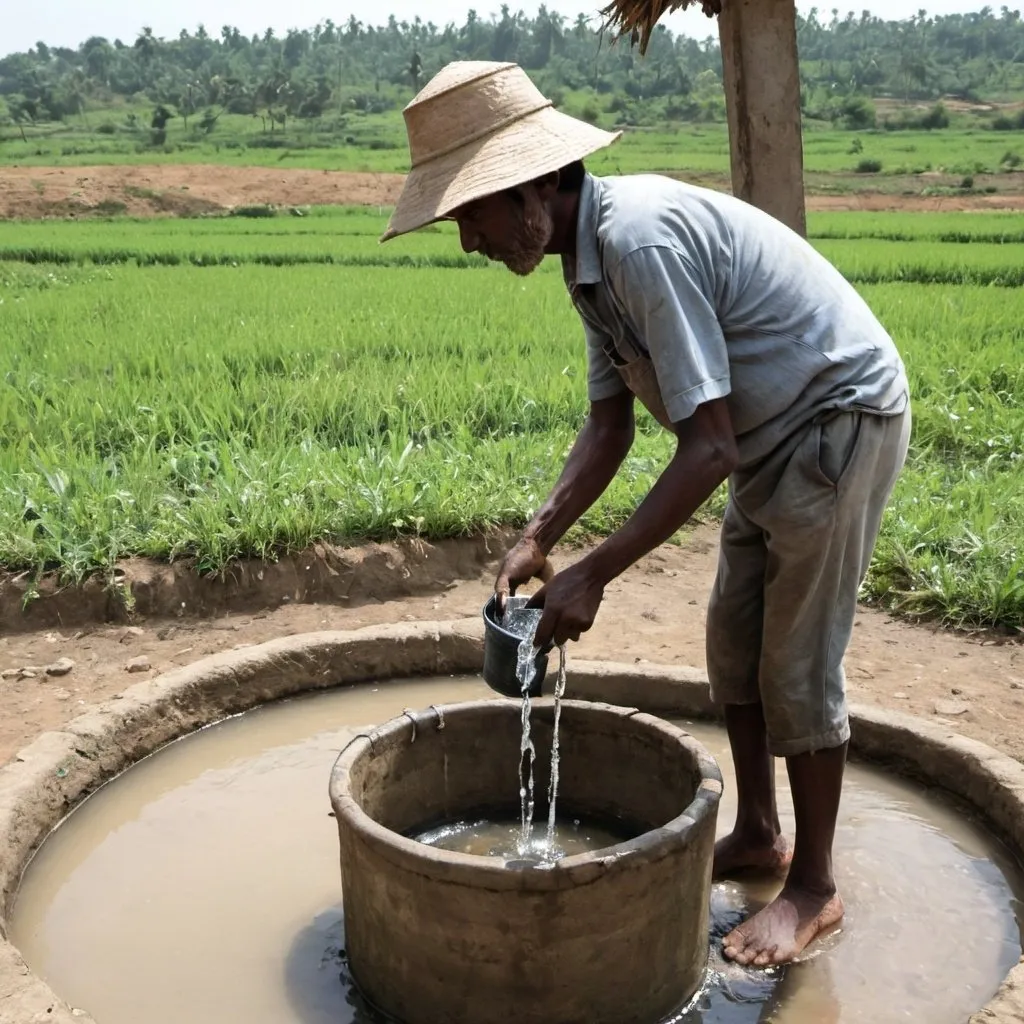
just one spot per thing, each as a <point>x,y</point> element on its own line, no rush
<point>553,784</point>
<point>523,622</point>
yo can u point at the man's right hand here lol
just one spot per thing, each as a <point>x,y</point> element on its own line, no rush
<point>523,562</point>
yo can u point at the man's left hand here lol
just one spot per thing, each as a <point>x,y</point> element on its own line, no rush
<point>570,601</point>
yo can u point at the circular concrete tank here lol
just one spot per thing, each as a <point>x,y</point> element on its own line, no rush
<point>612,936</point>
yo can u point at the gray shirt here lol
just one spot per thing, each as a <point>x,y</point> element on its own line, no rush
<point>727,302</point>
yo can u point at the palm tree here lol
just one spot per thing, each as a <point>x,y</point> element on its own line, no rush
<point>146,45</point>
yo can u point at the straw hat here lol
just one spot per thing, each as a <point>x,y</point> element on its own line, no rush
<point>476,128</point>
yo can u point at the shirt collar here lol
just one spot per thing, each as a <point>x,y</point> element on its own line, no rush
<point>588,258</point>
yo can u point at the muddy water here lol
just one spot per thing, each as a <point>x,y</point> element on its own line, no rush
<point>203,886</point>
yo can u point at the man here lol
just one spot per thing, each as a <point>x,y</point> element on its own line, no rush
<point>773,374</point>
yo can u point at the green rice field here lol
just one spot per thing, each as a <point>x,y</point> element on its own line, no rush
<point>234,386</point>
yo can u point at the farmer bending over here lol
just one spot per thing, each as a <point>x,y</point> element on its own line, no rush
<point>772,373</point>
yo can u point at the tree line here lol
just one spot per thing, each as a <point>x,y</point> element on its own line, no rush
<point>336,68</point>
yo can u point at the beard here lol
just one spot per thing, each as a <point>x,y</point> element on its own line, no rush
<point>525,251</point>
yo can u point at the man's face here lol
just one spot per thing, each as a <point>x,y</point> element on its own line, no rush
<point>511,228</point>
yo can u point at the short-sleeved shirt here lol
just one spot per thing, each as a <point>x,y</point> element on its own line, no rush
<point>727,302</point>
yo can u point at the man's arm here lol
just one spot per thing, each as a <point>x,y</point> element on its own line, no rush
<point>596,455</point>
<point>704,457</point>
<point>600,447</point>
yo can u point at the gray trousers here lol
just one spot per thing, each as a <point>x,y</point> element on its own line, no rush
<point>796,541</point>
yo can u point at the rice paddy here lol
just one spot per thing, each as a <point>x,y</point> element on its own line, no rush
<point>221,387</point>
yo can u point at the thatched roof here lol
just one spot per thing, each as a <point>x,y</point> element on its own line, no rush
<point>637,18</point>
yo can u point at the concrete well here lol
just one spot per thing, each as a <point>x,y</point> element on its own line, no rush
<point>613,936</point>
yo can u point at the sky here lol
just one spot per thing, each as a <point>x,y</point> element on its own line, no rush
<point>70,22</point>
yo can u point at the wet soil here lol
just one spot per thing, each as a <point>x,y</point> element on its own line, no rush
<point>655,611</point>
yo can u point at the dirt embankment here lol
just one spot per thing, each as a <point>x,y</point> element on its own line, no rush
<point>190,189</point>
<point>654,611</point>
<point>142,588</point>
<point>182,189</point>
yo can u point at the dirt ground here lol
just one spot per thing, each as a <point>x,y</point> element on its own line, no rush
<point>654,612</point>
<point>183,189</point>
<point>198,188</point>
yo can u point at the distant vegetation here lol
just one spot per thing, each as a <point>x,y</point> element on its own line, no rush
<point>858,73</point>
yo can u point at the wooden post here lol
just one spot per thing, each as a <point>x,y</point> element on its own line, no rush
<point>762,96</point>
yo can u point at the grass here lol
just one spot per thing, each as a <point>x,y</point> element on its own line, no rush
<point>951,542</point>
<point>996,227</point>
<point>229,422</point>
<point>870,261</point>
<point>344,237</point>
<point>221,411</point>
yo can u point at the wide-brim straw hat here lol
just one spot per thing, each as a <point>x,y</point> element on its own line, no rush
<point>476,128</point>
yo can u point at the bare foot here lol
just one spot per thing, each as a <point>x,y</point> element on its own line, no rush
<point>780,932</point>
<point>736,852</point>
